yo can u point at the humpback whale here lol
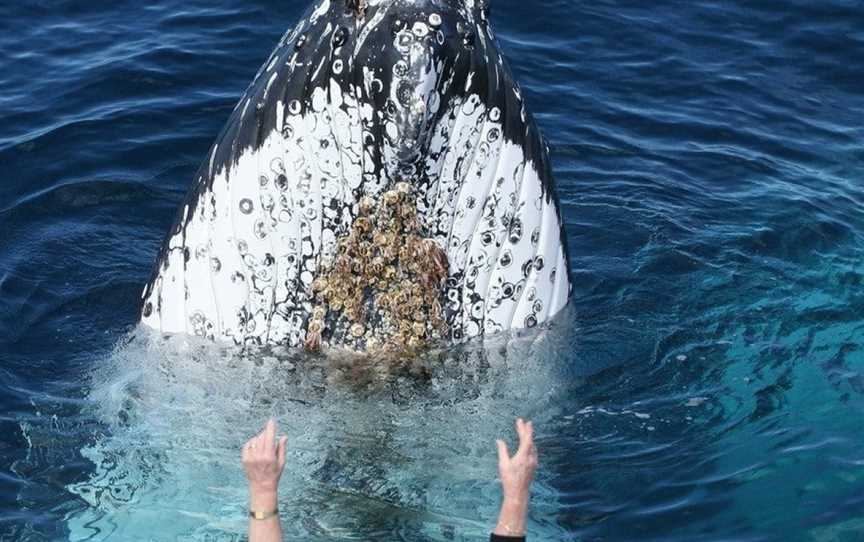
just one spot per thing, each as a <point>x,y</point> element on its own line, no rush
<point>380,182</point>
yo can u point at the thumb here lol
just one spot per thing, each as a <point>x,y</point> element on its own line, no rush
<point>503,454</point>
<point>280,451</point>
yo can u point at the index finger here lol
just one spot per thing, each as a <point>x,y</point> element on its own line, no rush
<point>526,436</point>
<point>270,434</point>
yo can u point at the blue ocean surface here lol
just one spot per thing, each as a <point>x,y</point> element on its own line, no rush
<point>706,383</point>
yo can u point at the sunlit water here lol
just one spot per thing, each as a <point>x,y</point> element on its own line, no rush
<point>706,384</point>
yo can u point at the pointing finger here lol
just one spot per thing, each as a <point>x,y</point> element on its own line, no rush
<point>526,437</point>
<point>520,428</point>
<point>269,435</point>
<point>280,451</point>
<point>503,454</point>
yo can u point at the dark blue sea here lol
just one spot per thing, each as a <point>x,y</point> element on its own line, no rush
<point>706,384</point>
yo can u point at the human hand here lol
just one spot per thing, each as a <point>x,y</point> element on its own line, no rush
<point>263,461</point>
<point>516,475</point>
<point>517,472</point>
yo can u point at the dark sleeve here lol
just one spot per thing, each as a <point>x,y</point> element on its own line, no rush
<point>497,538</point>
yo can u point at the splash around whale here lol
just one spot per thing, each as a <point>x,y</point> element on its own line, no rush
<point>380,183</point>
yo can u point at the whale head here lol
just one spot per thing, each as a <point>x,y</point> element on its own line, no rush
<point>385,150</point>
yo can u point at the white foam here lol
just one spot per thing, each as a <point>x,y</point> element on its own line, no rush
<point>362,448</point>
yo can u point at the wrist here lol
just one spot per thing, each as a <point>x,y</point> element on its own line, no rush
<point>515,503</point>
<point>263,499</point>
<point>513,518</point>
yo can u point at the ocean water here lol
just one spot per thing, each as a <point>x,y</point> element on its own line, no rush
<point>707,382</point>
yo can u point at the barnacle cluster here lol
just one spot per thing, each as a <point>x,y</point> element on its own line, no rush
<point>382,291</point>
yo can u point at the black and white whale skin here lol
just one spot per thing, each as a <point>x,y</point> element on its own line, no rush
<point>358,97</point>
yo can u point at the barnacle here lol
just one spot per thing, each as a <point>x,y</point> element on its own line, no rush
<point>367,204</point>
<point>315,326</point>
<point>376,266</point>
<point>382,291</point>
<point>392,198</point>
<point>313,341</point>
<point>313,334</point>
<point>362,225</point>
<point>319,284</point>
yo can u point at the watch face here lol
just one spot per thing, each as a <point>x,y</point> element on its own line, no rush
<point>262,515</point>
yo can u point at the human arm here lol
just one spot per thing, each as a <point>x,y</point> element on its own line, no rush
<point>516,475</point>
<point>263,461</point>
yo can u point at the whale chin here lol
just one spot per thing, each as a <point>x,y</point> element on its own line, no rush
<point>358,105</point>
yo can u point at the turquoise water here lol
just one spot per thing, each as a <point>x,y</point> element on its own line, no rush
<point>707,382</point>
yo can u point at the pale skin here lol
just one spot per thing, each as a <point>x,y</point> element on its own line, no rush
<point>516,473</point>
<point>263,461</point>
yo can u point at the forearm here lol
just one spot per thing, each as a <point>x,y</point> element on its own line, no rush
<point>264,530</point>
<point>513,517</point>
